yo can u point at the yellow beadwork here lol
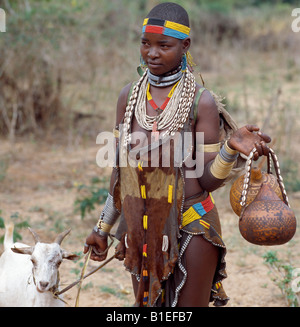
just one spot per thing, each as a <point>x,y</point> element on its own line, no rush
<point>145,222</point>
<point>170,194</point>
<point>174,26</point>
<point>191,215</point>
<point>143,191</point>
<point>204,223</point>
<point>177,27</point>
<point>140,166</point>
<point>212,199</point>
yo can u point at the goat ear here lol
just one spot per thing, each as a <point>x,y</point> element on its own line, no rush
<point>25,250</point>
<point>70,256</point>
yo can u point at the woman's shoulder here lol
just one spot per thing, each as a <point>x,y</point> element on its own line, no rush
<point>122,102</point>
<point>124,93</point>
<point>205,101</point>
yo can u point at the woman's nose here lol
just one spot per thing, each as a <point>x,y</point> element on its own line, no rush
<point>153,53</point>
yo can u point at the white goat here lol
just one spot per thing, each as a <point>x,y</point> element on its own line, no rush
<point>29,280</point>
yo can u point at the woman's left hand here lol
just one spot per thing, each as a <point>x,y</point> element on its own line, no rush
<point>248,137</point>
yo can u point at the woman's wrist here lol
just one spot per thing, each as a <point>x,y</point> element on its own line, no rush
<point>100,232</point>
<point>229,148</point>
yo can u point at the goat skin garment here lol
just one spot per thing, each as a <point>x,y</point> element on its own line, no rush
<point>152,239</point>
<point>152,243</point>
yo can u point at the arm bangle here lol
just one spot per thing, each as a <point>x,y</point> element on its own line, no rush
<point>108,217</point>
<point>208,147</point>
<point>228,154</point>
<point>229,150</point>
<point>221,168</point>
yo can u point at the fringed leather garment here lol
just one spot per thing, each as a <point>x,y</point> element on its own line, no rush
<point>157,223</point>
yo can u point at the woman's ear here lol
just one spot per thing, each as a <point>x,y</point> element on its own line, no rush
<point>186,44</point>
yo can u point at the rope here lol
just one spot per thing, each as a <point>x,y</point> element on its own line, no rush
<point>87,258</point>
<point>271,157</point>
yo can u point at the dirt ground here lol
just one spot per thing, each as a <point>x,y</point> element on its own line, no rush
<point>40,183</point>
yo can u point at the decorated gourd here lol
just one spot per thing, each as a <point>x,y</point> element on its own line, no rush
<point>267,219</point>
<point>257,177</point>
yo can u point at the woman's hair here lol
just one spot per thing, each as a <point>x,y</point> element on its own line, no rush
<point>170,11</point>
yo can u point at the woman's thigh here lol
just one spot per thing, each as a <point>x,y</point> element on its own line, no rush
<point>201,258</point>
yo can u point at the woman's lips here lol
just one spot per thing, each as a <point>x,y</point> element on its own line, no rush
<point>153,64</point>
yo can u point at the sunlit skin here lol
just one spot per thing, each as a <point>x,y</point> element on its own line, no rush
<point>163,54</point>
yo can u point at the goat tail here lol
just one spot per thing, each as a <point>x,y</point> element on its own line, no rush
<point>9,233</point>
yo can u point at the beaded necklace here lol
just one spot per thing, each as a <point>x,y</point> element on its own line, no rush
<point>160,109</point>
<point>171,118</point>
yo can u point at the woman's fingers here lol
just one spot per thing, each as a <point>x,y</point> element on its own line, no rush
<point>252,128</point>
<point>266,138</point>
<point>261,150</point>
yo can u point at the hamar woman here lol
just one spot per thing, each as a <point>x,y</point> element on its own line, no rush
<point>169,230</point>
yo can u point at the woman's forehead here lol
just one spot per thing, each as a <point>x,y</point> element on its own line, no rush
<point>159,38</point>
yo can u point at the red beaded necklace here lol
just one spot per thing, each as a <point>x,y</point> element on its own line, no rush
<point>158,109</point>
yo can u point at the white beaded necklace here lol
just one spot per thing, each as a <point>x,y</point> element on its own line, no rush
<point>173,116</point>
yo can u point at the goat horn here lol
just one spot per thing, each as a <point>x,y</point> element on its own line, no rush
<point>35,235</point>
<point>61,236</point>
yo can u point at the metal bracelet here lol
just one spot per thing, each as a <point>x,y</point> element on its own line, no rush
<point>100,232</point>
<point>226,156</point>
<point>108,217</point>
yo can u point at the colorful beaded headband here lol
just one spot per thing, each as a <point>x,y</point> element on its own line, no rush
<point>165,27</point>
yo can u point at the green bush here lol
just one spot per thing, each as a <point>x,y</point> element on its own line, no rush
<point>91,195</point>
<point>18,224</point>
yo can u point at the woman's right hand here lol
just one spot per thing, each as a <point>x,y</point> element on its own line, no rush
<point>99,244</point>
<point>246,138</point>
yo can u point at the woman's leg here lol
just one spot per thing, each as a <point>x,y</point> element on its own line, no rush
<point>201,259</point>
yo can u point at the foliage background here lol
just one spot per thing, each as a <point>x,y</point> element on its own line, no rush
<point>63,63</point>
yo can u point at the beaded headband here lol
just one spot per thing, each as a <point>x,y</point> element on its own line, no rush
<point>165,27</point>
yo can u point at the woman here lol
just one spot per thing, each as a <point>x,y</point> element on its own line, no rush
<point>169,232</point>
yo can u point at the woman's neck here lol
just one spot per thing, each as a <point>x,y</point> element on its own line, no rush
<point>166,79</point>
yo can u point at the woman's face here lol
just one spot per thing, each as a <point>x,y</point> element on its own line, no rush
<point>162,53</point>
